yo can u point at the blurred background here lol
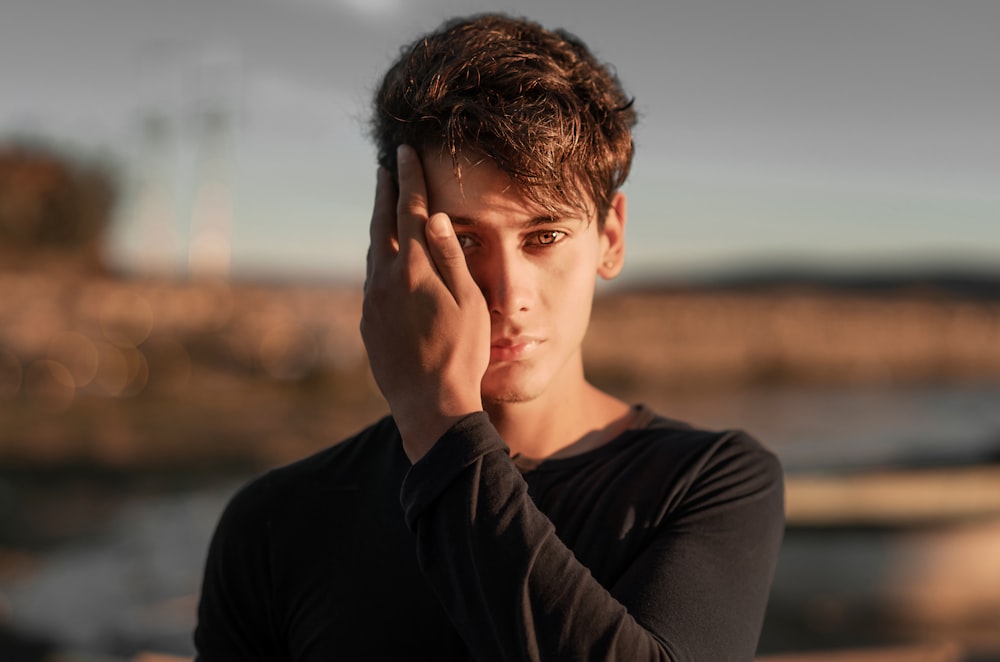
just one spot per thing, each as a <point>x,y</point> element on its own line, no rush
<point>814,255</point>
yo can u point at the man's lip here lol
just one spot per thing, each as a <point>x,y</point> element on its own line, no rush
<point>512,341</point>
<point>511,349</point>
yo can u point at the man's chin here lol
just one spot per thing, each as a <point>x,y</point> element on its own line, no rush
<point>508,392</point>
<point>506,398</point>
<point>511,383</point>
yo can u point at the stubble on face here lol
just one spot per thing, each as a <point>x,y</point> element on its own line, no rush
<point>511,391</point>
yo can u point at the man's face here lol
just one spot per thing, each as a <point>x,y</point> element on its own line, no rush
<point>537,273</point>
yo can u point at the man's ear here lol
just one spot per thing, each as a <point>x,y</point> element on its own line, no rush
<point>613,239</point>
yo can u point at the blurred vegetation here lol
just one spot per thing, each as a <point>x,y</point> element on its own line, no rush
<point>54,209</point>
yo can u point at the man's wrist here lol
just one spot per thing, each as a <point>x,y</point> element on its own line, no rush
<point>421,430</point>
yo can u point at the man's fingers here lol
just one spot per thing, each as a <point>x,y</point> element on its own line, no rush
<point>383,226</point>
<point>411,209</point>
<point>448,257</point>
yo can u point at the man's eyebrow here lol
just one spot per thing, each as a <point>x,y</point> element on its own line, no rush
<point>530,223</point>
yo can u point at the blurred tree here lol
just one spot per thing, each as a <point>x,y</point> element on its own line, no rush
<point>54,210</point>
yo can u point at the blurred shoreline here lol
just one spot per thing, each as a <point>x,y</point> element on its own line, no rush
<point>146,373</point>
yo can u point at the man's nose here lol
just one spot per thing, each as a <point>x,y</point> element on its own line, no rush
<point>504,280</point>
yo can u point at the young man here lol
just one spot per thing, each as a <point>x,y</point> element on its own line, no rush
<point>507,509</point>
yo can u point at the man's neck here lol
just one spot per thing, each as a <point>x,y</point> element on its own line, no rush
<point>560,423</point>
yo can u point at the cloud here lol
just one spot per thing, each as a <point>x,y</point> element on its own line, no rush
<point>367,9</point>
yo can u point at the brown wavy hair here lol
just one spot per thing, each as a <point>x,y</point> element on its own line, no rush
<point>536,101</point>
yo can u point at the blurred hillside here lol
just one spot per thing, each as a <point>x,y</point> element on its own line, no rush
<point>125,372</point>
<point>796,331</point>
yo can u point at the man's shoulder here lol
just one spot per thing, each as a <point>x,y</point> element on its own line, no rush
<point>374,445</point>
<point>695,470</point>
<point>701,449</point>
<point>344,466</point>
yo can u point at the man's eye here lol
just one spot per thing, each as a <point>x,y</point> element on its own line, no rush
<point>466,241</point>
<point>548,237</point>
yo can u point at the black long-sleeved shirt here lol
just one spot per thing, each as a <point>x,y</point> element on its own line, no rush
<point>661,544</point>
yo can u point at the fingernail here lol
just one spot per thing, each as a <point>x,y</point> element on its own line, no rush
<point>439,226</point>
<point>403,153</point>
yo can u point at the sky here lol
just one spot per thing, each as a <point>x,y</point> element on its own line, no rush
<point>855,135</point>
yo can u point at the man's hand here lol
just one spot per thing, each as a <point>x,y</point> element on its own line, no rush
<point>424,322</point>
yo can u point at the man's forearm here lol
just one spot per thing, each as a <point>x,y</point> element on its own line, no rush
<point>511,587</point>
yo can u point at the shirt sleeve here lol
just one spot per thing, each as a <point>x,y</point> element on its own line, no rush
<point>234,610</point>
<point>515,592</point>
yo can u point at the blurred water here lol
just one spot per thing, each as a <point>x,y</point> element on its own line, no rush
<point>131,587</point>
<point>837,427</point>
<point>130,584</point>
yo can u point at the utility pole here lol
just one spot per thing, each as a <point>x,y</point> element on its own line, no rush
<point>210,249</point>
